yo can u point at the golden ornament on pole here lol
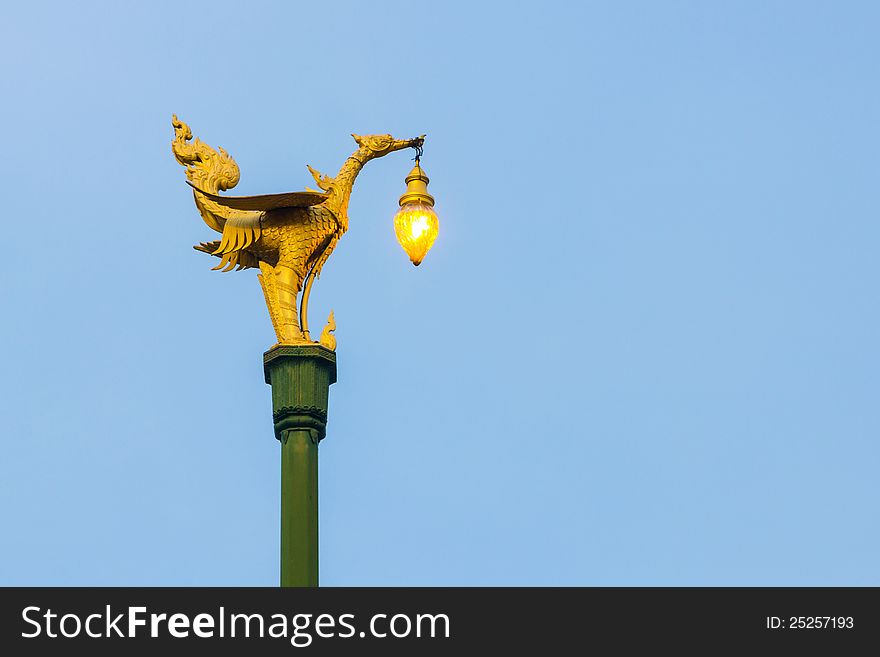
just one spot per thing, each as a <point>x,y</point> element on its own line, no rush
<point>290,236</point>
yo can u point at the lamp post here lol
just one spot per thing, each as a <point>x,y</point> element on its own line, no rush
<point>300,376</point>
<point>289,237</point>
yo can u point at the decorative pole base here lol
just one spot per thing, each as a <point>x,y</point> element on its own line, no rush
<point>300,376</point>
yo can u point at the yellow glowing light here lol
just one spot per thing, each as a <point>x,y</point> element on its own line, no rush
<point>416,226</point>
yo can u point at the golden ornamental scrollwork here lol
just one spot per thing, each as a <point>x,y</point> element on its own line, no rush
<point>327,337</point>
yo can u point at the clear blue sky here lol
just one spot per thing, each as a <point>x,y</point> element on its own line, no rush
<point>643,351</point>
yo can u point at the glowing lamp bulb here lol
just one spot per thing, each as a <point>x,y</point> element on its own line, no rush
<point>416,224</point>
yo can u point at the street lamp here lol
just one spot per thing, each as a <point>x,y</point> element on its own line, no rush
<point>416,224</point>
<point>289,237</point>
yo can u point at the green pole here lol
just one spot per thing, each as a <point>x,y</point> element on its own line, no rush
<point>300,376</point>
